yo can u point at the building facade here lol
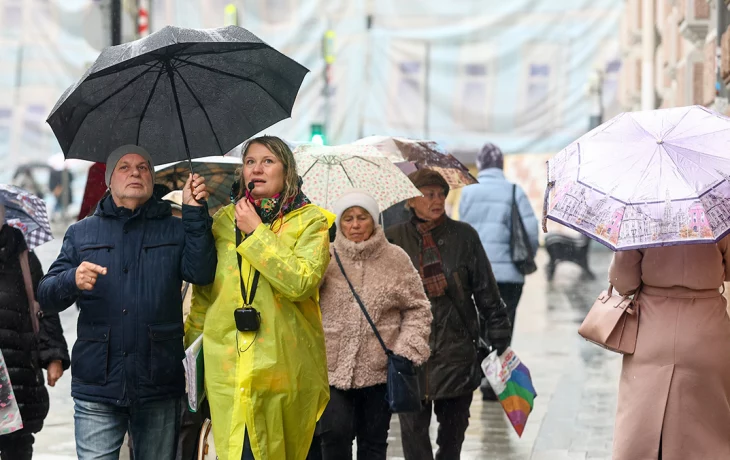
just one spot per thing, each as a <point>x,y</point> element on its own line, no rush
<point>681,53</point>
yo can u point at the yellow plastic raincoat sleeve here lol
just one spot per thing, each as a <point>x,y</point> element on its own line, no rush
<point>294,272</point>
<point>198,308</point>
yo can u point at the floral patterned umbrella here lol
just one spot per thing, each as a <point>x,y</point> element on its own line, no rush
<point>328,172</point>
<point>411,154</point>
<point>644,179</point>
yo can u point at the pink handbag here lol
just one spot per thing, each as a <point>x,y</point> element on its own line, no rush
<point>613,322</point>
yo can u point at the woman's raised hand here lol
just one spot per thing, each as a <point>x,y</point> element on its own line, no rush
<point>247,220</point>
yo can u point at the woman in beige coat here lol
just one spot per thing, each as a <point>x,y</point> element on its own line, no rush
<point>390,288</point>
<point>674,391</point>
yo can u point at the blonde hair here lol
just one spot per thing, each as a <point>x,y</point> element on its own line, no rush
<point>281,150</point>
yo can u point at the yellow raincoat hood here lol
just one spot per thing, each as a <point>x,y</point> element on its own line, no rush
<point>275,385</point>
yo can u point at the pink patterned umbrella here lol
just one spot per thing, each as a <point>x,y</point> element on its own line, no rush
<point>643,179</point>
<point>328,172</point>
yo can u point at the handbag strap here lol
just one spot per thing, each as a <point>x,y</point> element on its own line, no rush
<point>362,306</point>
<point>636,294</point>
<point>27,280</point>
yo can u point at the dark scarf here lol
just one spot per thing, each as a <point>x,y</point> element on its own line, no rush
<point>431,269</point>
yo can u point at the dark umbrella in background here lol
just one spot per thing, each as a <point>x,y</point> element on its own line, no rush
<point>413,154</point>
<point>219,173</point>
<point>179,93</point>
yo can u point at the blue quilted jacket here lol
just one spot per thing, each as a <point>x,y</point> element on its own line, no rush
<point>130,331</point>
<point>487,206</point>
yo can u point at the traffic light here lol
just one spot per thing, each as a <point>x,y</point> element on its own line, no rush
<point>317,137</point>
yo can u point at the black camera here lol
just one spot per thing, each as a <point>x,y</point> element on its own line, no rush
<point>247,319</point>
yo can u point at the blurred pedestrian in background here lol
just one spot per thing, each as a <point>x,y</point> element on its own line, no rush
<point>25,353</point>
<point>458,280</point>
<point>94,190</point>
<point>265,365</point>
<point>391,290</point>
<point>124,267</point>
<point>487,206</point>
<point>674,390</point>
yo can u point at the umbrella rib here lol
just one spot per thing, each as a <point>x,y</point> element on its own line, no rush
<point>126,85</point>
<point>147,104</point>
<point>239,77</point>
<point>205,112</point>
<point>346,175</point>
<point>310,168</point>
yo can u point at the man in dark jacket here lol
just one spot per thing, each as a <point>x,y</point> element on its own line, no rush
<point>124,267</point>
<point>459,282</point>
<point>25,354</point>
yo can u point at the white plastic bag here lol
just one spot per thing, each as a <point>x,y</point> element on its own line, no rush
<point>511,381</point>
<point>10,420</point>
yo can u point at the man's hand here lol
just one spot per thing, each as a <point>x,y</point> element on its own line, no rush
<point>54,372</point>
<point>194,190</point>
<point>86,275</point>
<point>246,217</point>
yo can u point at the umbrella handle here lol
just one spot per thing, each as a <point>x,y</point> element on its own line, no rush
<point>550,186</point>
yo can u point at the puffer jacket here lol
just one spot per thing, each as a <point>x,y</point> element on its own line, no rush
<point>487,206</point>
<point>130,331</point>
<point>25,354</point>
<point>392,292</point>
<point>453,368</point>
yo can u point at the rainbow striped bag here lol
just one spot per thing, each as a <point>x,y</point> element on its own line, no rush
<point>510,379</point>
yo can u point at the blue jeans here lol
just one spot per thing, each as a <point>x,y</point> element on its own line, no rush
<point>100,429</point>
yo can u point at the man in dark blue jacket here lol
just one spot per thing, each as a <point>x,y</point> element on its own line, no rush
<point>124,267</point>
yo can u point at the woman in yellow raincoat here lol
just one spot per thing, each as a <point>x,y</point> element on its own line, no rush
<point>270,386</point>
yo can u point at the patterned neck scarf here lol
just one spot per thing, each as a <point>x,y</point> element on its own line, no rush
<point>431,268</point>
<point>269,209</point>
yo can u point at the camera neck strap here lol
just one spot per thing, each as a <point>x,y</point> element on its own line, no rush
<point>252,295</point>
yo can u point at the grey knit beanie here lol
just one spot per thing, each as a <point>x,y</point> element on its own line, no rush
<point>118,153</point>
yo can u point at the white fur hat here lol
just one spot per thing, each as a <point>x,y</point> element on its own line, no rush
<point>359,198</point>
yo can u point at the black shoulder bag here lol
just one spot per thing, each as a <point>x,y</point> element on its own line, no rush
<point>404,393</point>
<point>519,243</point>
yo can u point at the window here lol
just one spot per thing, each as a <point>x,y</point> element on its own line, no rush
<point>475,81</point>
<point>12,19</point>
<point>541,99</point>
<point>406,107</point>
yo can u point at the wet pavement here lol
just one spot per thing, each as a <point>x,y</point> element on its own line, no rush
<point>575,380</point>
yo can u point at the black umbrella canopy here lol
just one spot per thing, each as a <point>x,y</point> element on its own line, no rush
<point>179,93</point>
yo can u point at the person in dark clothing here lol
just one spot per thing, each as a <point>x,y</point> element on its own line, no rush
<point>25,353</point>
<point>459,282</point>
<point>124,267</point>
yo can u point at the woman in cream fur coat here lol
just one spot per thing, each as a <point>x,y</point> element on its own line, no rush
<point>391,289</point>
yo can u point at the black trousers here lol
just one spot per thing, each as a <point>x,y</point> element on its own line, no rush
<point>16,446</point>
<point>190,425</point>
<point>453,418</point>
<point>511,293</point>
<point>361,413</point>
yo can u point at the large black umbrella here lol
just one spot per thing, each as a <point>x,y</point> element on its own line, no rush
<point>179,93</point>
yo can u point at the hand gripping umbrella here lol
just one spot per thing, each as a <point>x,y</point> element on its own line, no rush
<point>179,93</point>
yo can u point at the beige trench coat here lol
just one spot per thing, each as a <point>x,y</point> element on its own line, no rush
<point>675,388</point>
